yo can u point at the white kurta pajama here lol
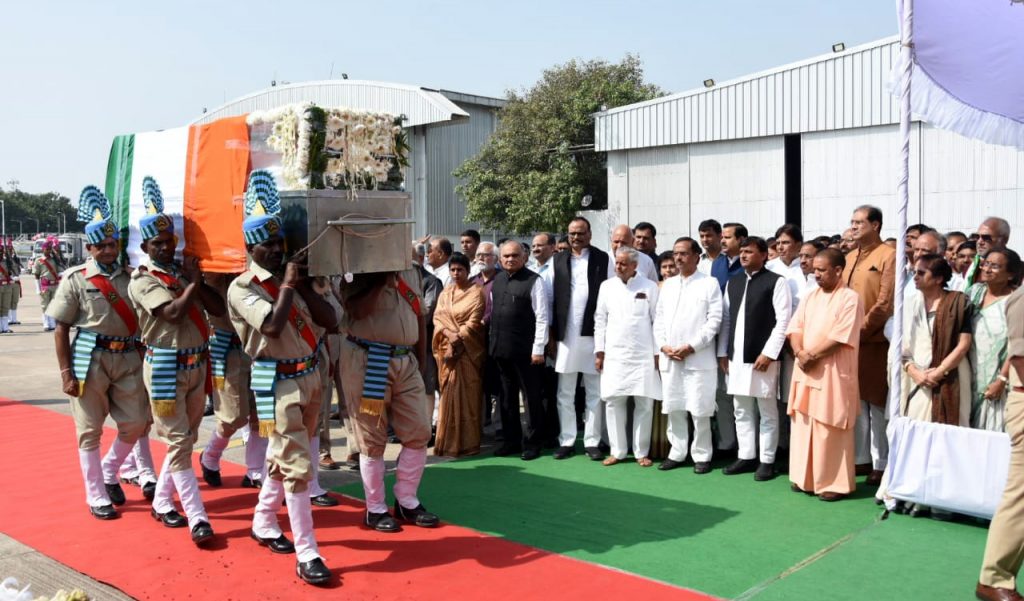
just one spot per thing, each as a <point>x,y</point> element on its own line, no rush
<point>689,312</point>
<point>753,389</point>
<point>575,356</point>
<point>624,332</point>
<point>797,282</point>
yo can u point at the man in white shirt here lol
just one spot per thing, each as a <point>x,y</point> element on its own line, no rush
<point>623,236</point>
<point>624,355</point>
<point>756,309</point>
<point>438,253</point>
<point>686,321</point>
<point>469,241</point>
<point>542,249</point>
<point>710,232</point>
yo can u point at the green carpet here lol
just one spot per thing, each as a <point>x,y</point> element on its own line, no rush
<point>724,535</point>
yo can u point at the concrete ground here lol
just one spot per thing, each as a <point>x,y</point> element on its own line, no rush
<point>29,373</point>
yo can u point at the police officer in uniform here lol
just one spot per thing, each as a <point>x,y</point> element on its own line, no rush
<point>47,274</point>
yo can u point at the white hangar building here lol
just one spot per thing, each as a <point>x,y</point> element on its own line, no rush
<point>803,143</point>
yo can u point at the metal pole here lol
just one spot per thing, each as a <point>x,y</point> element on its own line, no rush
<point>3,218</point>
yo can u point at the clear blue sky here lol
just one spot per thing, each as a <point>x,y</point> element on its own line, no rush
<point>74,74</point>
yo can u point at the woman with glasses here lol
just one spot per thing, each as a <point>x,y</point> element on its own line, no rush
<point>999,275</point>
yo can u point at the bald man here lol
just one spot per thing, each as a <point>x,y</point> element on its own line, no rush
<point>993,234</point>
<point>623,236</point>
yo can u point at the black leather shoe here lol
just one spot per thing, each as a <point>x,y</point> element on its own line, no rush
<point>507,450</point>
<point>116,493</point>
<point>594,453</point>
<point>418,516</point>
<point>669,464</point>
<point>382,522</point>
<point>313,571</point>
<point>530,454</point>
<point>171,519</point>
<point>563,453</point>
<point>211,477</point>
<point>276,545</point>
<point>702,467</point>
<point>104,512</point>
<point>202,533</point>
<point>765,471</point>
<point>248,482</point>
<point>149,490</point>
<point>740,466</point>
<point>324,500</point>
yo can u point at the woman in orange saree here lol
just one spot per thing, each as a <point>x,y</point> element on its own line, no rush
<point>458,346</point>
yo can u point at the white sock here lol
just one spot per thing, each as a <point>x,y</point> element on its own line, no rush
<point>3,324</point>
<point>144,461</point>
<point>188,491</point>
<point>163,499</point>
<point>255,455</point>
<point>129,468</point>
<point>300,515</point>
<point>114,458</point>
<point>264,519</point>
<point>371,469</point>
<point>315,489</point>
<point>13,316</point>
<point>410,470</point>
<point>213,451</point>
<point>92,475</point>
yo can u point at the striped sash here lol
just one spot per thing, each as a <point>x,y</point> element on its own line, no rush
<point>164,380</point>
<point>221,342</point>
<point>82,349</point>
<point>265,375</point>
<point>375,382</point>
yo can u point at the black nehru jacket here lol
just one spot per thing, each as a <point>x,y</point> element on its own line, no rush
<point>597,272</point>
<point>513,323</point>
<point>759,311</point>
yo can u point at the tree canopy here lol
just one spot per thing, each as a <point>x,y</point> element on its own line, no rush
<point>534,171</point>
<point>38,212</point>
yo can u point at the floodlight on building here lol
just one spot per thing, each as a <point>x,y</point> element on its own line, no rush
<point>587,200</point>
<point>709,83</point>
<point>838,47</point>
<point>344,75</point>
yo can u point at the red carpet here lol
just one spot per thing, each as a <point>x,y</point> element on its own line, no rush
<point>43,506</point>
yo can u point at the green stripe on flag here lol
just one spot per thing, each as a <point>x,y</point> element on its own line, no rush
<point>119,181</point>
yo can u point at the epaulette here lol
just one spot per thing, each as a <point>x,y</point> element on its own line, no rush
<point>70,270</point>
<point>245,279</point>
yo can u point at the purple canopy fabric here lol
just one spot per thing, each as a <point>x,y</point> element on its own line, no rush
<point>968,67</point>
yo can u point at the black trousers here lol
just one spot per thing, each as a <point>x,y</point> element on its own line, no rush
<point>520,375</point>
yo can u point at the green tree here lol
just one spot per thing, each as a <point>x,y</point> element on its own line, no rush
<point>534,171</point>
<point>42,210</point>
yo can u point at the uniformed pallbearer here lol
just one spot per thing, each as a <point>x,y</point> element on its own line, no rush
<point>102,369</point>
<point>280,319</point>
<point>171,298</point>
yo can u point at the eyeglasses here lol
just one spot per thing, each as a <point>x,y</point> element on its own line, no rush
<point>985,237</point>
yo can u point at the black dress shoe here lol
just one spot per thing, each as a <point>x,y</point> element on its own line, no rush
<point>116,493</point>
<point>594,453</point>
<point>530,454</point>
<point>563,453</point>
<point>248,482</point>
<point>324,500</point>
<point>202,533</point>
<point>277,545</point>
<point>103,512</point>
<point>382,522</point>
<point>702,467</point>
<point>171,519</point>
<point>603,447</point>
<point>208,408</point>
<point>669,464</point>
<point>740,466</point>
<point>507,450</point>
<point>212,477</point>
<point>313,571</point>
<point>418,516</point>
<point>149,490</point>
<point>765,471</point>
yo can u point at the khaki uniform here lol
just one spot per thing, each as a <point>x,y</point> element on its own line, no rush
<point>297,400</point>
<point>331,381</point>
<point>48,275</point>
<point>393,322</point>
<point>1004,550</point>
<point>181,429</point>
<point>233,405</point>
<point>7,286</point>
<point>113,385</point>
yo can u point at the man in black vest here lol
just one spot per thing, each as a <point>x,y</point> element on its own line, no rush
<point>755,313</point>
<point>518,333</point>
<point>577,277</point>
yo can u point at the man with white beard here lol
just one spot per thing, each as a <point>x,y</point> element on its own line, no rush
<point>624,355</point>
<point>686,322</point>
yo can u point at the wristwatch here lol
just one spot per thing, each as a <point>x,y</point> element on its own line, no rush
<point>1003,379</point>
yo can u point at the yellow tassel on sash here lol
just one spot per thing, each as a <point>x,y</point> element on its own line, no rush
<point>81,388</point>
<point>266,427</point>
<point>371,406</point>
<point>218,382</point>
<point>164,408</point>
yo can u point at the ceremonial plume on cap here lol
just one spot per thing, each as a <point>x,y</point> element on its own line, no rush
<point>154,221</point>
<point>94,211</point>
<point>262,204</point>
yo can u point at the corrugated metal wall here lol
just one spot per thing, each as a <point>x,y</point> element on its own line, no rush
<point>829,92</point>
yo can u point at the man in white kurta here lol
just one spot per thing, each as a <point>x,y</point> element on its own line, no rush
<point>686,321</point>
<point>754,382</point>
<point>624,354</point>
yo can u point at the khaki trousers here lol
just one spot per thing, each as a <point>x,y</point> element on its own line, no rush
<point>15,295</point>
<point>6,298</point>
<point>180,431</point>
<point>296,413</point>
<point>235,404</point>
<point>113,386</point>
<point>1004,550</point>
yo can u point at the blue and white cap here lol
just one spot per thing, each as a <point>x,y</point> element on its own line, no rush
<point>262,205</point>
<point>94,211</point>
<point>154,221</point>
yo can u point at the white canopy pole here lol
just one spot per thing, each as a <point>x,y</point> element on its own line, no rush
<point>902,200</point>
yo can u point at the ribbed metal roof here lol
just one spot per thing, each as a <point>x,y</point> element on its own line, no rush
<point>421,106</point>
<point>828,92</point>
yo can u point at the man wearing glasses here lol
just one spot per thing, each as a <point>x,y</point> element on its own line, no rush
<point>993,234</point>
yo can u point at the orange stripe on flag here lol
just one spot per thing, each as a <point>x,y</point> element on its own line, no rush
<point>216,171</point>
